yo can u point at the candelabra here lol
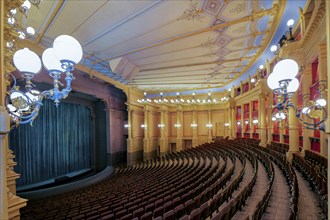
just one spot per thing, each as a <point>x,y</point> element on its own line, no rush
<point>62,57</point>
<point>284,84</point>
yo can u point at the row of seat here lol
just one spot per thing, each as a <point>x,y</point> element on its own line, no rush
<point>178,177</point>
<point>212,181</point>
<point>315,179</point>
<point>279,158</point>
<point>319,162</point>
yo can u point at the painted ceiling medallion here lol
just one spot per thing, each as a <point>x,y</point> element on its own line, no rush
<point>193,12</point>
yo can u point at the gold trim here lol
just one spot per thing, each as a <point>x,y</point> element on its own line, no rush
<point>277,19</point>
<point>58,6</point>
<point>219,26</point>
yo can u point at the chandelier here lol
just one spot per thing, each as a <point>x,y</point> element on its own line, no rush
<point>24,106</point>
<point>284,84</point>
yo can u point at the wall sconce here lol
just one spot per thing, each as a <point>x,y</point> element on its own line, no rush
<point>226,124</point>
<point>284,83</point>
<point>178,99</point>
<point>161,126</point>
<point>209,99</point>
<point>255,121</point>
<point>127,126</point>
<point>62,57</point>
<point>161,99</point>
<point>273,49</point>
<point>193,125</point>
<point>290,24</point>
<point>143,126</point>
<point>209,125</point>
<point>238,123</point>
<point>145,99</point>
<point>177,125</point>
<point>246,122</point>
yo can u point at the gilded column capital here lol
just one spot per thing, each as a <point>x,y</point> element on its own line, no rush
<point>262,96</point>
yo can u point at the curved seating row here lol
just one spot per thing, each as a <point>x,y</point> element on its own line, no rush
<point>212,181</point>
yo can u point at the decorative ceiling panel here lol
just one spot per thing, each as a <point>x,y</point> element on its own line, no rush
<point>163,45</point>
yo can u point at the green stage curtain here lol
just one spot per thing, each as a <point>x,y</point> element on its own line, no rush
<point>60,141</point>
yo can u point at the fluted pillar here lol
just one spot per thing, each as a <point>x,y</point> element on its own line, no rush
<point>328,71</point>
<point>210,128</point>
<point>282,131</point>
<point>269,119</point>
<point>194,137</point>
<point>179,130</point>
<point>322,68</point>
<point>164,145</point>
<point>4,121</point>
<point>306,80</point>
<point>146,139</point>
<point>233,125</point>
<point>242,119</point>
<point>230,122</point>
<point>250,119</point>
<point>293,130</point>
<point>4,130</point>
<point>262,113</point>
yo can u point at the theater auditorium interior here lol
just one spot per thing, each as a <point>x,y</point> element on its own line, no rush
<point>164,109</point>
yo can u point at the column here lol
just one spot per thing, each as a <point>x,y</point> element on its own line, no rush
<point>4,130</point>
<point>130,143</point>
<point>229,121</point>
<point>242,119</point>
<point>146,140</point>
<point>322,67</point>
<point>270,121</point>
<point>233,125</point>
<point>210,128</point>
<point>293,130</point>
<point>282,131</point>
<point>262,113</point>
<point>164,145</point>
<point>179,130</point>
<point>195,142</point>
<point>306,80</point>
<point>328,71</point>
<point>4,122</point>
<point>250,119</point>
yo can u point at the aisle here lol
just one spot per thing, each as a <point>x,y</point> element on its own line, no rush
<point>259,190</point>
<point>279,203</point>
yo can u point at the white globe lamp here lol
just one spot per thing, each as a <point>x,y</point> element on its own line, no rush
<point>27,61</point>
<point>67,49</point>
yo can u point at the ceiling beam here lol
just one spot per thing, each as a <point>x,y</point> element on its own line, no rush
<point>57,7</point>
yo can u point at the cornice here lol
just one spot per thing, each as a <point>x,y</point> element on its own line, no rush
<point>317,16</point>
<point>252,94</point>
<point>280,7</point>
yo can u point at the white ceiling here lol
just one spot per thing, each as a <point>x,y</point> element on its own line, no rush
<point>160,45</point>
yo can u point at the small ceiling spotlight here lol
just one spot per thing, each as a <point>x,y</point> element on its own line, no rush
<point>261,66</point>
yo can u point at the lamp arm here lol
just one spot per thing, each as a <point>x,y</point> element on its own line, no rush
<point>312,126</point>
<point>68,79</point>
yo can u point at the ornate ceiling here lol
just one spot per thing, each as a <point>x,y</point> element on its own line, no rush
<point>163,45</point>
